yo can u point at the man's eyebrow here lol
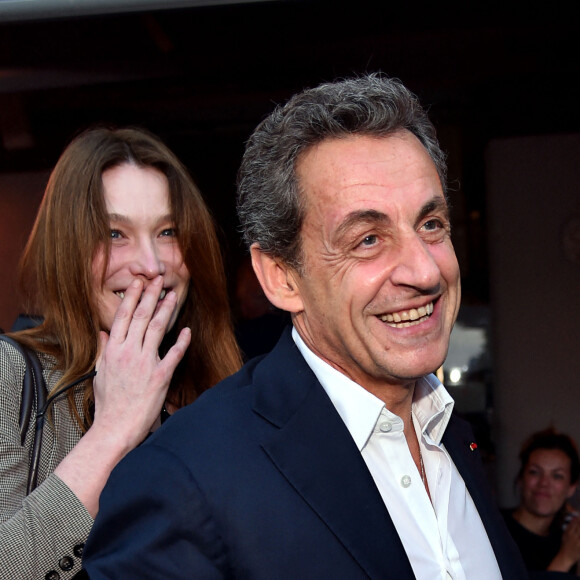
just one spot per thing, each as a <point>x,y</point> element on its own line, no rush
<point>368,216</point>
<point>437,203</point>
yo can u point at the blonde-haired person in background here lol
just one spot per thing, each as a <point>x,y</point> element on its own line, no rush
<point>124,266</point>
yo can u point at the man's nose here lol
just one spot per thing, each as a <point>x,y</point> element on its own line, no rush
<point>146,260</point>
<point>415,264</point>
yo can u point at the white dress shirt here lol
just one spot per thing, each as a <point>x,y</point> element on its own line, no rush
<point>443,537</point>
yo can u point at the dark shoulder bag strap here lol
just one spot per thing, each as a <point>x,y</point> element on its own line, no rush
<point>33,386</point>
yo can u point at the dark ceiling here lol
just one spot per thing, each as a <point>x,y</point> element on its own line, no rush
<point>202,78</point>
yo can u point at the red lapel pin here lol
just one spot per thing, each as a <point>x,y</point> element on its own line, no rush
<point>473,446</point>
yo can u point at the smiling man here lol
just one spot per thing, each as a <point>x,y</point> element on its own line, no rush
<point>337,455</point>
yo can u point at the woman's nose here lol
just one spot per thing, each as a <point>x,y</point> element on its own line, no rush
<point>544,480</point>
<point>146,260</point>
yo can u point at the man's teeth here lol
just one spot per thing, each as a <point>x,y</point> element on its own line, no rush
<point>121,295</point>
<point>406,318</point>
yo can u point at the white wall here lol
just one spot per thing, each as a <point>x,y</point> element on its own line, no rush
<point>533,190</point>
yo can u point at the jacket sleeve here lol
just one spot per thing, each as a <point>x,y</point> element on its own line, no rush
<point>41,535</point>
<point>153,523</point>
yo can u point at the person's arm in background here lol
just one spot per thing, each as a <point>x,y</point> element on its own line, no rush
<point>569,553</point>
<point>130,388</point>
<point>46,530</point>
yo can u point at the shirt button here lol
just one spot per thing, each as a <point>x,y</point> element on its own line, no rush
<point>52,575</point>
<point>406,480</point>
<point>385,427</point>
<point>78,550</point>
<point>66,563</point>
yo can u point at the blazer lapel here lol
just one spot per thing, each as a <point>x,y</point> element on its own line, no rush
<point>459,442</point>
<point>316,454</point>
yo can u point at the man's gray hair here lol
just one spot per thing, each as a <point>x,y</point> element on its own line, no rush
<point>269,201</point>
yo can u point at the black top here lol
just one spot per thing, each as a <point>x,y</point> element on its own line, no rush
<point>537,551</point>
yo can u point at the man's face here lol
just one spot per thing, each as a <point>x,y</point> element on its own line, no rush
<point>380,286</point>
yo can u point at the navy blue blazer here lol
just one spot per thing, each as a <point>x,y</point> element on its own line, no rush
<point>260,479</point>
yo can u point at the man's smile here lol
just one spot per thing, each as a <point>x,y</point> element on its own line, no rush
<point>411,317</point>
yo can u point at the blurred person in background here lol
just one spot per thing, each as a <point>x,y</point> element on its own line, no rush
<point>546,530</point>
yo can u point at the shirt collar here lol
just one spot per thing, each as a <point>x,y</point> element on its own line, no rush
<point>360,410</point>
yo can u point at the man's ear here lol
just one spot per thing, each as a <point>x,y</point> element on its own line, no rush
<point>278,280</point>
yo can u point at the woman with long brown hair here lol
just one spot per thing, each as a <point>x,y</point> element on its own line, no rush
<point>124,267</point>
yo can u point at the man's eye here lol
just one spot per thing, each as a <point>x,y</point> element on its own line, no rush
<point>369,240</point>
<point>432,225</point>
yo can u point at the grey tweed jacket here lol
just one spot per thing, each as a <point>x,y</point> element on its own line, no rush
<point>41,535</point>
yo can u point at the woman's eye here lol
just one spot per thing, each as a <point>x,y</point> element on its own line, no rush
<point>168,233</point>
<point>115,234</point>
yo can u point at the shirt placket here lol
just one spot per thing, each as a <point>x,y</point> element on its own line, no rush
<point>404,474</point>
